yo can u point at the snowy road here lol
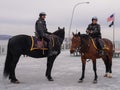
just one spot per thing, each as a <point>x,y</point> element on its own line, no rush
<point>66,72</point>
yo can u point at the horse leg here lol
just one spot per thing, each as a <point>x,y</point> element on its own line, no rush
<point>108,62</point>
<point>50,62</point>
<point>110,76</point>
<point>106,65</point>
<point>95,69</point>
<point>83,70</point>
<point>110,67</point>
<point>12,76</point>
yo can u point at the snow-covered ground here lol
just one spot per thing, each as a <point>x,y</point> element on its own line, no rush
<point>66,72</point>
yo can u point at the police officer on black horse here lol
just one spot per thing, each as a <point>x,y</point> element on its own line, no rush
<point>93,30</point>
<point>42,32</point>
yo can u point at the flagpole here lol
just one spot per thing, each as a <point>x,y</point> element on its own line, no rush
<point>114,32</point>
<point>112,18</point>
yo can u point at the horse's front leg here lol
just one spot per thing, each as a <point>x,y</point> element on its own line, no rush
<point>95,70</point>
<point>83,70</point>
<point>50,62</point>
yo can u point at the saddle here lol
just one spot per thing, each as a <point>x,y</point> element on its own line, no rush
<point>103,44</point>
<point>38,44</point>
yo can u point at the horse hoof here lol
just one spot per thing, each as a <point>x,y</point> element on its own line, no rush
<point>51,79</point>
<point>110,76</point>
<point>95,81</point>
<point>80,81</point>
<point>15,81</point>
<point>105,75</point>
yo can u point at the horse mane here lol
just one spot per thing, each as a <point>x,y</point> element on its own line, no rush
<point>85,41</point>
<point>85,36</point>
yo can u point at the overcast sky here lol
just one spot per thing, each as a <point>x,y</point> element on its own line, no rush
<point>19,16</point>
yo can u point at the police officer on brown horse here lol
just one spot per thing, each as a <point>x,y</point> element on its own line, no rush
<point>94,31</point>
<point>42,32</point>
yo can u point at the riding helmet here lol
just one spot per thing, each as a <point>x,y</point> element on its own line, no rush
<point>94,18</point>
<point>42,14</point>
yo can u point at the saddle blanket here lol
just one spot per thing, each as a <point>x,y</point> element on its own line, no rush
<point>38,44</point>
<point>103,44</point>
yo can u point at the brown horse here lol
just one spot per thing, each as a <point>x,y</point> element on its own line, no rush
<point>88,50</point>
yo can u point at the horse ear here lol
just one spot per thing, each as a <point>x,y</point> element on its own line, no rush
<point>73,33</point>
<point>63,28</point>
<point>58,27</point>
<point>79,33</point>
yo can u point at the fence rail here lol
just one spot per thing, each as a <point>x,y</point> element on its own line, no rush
<point>3,49</point>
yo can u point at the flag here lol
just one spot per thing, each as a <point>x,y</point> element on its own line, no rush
<point>111,18</point>
<point>111,24</point>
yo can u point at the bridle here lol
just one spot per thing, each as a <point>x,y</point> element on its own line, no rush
<point>83,46</point>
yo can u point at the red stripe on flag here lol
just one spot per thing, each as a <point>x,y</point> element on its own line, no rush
<point>111,18</point>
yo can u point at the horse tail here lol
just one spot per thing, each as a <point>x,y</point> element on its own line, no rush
<point>8,61</point>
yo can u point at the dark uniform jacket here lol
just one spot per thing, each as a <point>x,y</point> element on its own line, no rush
<point>41,28</point>
<point>95,28</point>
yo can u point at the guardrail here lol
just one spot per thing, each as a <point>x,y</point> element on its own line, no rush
<point>3,49</point>
<point>116,54</point>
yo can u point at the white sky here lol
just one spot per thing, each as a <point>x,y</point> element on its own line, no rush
<point>19,16</point>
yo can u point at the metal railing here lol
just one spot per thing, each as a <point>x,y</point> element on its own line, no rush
<point>3,49</point>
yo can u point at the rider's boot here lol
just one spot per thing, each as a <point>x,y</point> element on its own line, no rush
<point>100,47</point>
<point>51,50</point>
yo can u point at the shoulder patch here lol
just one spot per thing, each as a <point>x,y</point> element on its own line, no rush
<point>39,22</point>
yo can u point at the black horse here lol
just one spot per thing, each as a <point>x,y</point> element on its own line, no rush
<point>20,45</point>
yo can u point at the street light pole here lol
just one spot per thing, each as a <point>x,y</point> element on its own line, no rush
<point>73,15</point>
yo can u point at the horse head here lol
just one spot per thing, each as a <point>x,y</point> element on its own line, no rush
<point>76,42</point>
<point>60,33</point>
<point>80,41</point>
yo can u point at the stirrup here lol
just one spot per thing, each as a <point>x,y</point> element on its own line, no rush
<point>51,53</point>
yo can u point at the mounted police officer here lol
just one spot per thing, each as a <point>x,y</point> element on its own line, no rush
<point>42,32</point>
<point>94,31</point>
